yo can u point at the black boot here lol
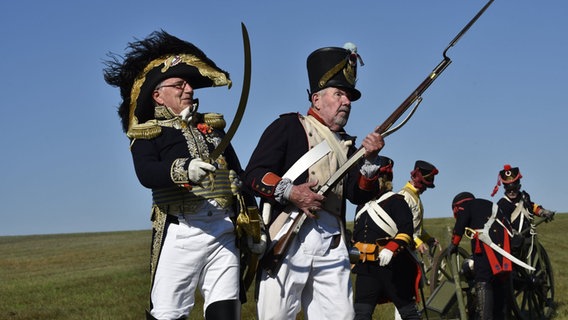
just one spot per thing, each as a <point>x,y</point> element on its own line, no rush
<point>484,300</point>
<point>224,310</point>
<point>151,317</point>
<point>363,311</point>
<point>409,312</point>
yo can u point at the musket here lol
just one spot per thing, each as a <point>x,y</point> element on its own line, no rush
<point>273,257</point>
<point>414,97</point>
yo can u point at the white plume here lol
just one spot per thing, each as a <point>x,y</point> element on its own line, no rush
<point>350,46</point>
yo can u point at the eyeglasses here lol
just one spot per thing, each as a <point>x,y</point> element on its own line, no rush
<point>178,85</point>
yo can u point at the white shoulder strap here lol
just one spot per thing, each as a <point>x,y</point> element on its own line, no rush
<point>378,214</point>
<point>492,219</point>
<point>520,212</point>
<point>515,214</point>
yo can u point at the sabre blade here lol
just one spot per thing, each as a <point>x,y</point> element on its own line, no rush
<point>242,102</point>
<point>487,240</point>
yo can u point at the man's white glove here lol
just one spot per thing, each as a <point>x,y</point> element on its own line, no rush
<point>385,257</point>
<point>547,214</point>
<point>260,247</point>
<point>198,169</point>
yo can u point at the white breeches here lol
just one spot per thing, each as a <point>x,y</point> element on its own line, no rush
<point>312,277</point>
<point>199,252</point>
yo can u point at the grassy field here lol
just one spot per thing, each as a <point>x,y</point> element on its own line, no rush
<point>106,275</point>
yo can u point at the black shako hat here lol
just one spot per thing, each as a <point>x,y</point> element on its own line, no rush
<point>334,67</point>
<point>508,176</point>
<point>424,173</point>
<point>148,62</point>
<point>460,197</point>
<point>386,162</point>
<point>386,167</point>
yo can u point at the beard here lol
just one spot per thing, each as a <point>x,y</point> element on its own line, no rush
<point>341,118</point>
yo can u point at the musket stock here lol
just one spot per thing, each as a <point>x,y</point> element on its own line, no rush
<point>273,258</point>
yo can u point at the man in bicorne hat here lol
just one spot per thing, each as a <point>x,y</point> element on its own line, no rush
<point>386,271</point>
<point>315,274</point>
<point>194,244</point>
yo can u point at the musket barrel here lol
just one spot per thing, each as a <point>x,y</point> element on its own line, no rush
<point>274,256</point>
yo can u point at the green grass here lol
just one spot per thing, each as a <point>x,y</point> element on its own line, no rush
<point>106,275</point>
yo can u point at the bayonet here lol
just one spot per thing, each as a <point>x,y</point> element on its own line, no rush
<point>413,99</point>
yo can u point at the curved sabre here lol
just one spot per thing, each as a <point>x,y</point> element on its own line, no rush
<point>243,101</point>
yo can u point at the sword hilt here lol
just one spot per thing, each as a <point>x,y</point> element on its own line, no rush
<point>470,233</point>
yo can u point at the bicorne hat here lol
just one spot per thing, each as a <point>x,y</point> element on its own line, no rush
<point>148,62</point>
<point>334,67</point>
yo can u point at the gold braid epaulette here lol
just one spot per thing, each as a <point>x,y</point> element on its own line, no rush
<point>153,128</point>
<point>148,130</point>
<point>215,120</point>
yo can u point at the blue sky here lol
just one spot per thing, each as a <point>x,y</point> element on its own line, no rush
<point>65,162</point>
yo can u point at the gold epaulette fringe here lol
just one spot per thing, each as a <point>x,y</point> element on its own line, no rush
<point>148,130</point>
<point>215,120</point>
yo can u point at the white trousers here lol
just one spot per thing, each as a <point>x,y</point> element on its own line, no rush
<point>312,278</point>
<point>199,252</point>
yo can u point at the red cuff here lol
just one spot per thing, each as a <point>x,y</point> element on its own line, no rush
<point>392,246</point>
<point>366,183</point>
<point>456,239</point>
<point>267,184</point>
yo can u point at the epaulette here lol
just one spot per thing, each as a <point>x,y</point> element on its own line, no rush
<point>147,130</point>
<point>153,128</point>
<point>215,120</point>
